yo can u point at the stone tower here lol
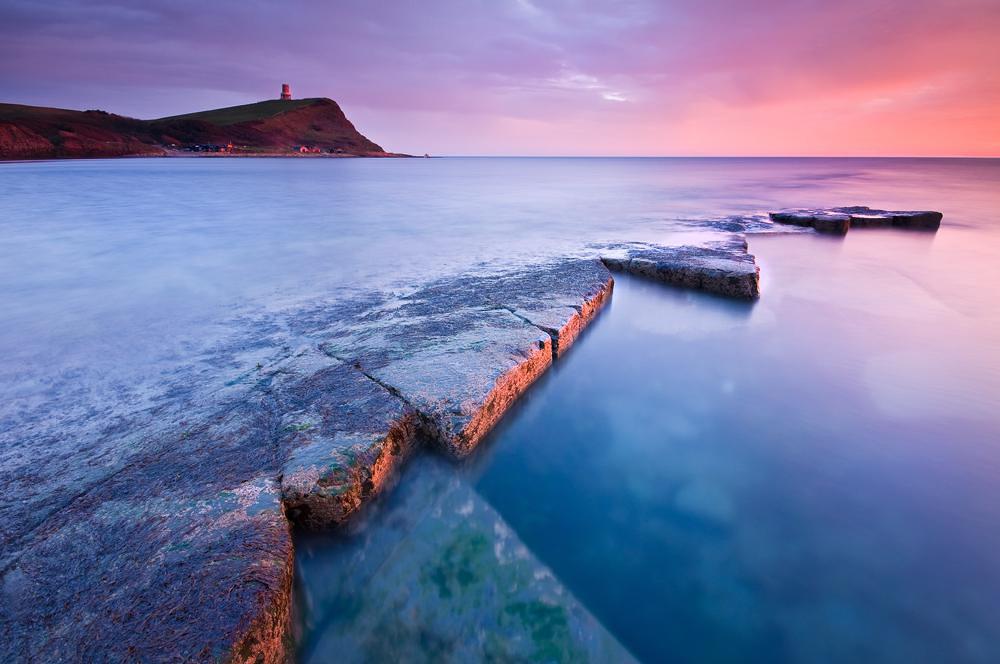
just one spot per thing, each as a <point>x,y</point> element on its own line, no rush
<point>286,91</point>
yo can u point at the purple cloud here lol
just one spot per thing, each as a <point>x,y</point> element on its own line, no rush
<point>527,76</point>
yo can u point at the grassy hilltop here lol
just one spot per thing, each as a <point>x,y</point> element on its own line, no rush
<point>245,113</point>
<point>266,127</point>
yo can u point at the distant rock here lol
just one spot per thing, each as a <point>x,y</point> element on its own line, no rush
<point>839,220</point>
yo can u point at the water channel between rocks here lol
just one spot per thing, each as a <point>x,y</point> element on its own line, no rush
<point>812,477</point>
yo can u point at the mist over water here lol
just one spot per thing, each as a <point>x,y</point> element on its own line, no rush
<point>124,269</point>
<point>814,477</point>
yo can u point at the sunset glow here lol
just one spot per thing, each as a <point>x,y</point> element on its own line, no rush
<point>554,78</point>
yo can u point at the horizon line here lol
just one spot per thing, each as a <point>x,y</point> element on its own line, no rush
<point>719,156</point>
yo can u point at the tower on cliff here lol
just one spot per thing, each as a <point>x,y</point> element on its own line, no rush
<point>286,91</point>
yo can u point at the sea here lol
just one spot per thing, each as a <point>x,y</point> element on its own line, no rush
<point>812,477</point>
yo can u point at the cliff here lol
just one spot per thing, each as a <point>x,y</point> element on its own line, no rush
<point>267,127</point>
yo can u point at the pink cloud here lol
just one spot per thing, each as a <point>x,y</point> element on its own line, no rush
<point>542,77</point>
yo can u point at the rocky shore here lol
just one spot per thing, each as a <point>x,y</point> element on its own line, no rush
<point>165,534</point>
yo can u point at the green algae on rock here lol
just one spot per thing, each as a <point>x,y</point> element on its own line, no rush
<point>463,588</point>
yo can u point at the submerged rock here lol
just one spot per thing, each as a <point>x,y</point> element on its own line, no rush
<point>438,575</point>
<point>724,267</point>
<point>839,220</point>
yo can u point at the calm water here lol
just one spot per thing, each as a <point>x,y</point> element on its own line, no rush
<point>115,272</point>
<point>815,477</point>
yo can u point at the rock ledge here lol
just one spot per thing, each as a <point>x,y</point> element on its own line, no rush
<point>724,267</point>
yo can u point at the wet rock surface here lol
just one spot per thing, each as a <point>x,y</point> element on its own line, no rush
<point>182,553</point>
<point>435,574</point>
<point>460,351</point>
<point>560,299</point>
<point>164,533</point>
<point>724,267</point>
<point>158,529</point>
<point>347,436</point>
<point>839,220</point>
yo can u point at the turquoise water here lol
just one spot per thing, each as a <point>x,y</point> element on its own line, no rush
<point>814,477</point>
<point>811,478</point>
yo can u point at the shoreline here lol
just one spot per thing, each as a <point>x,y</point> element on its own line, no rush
<point>184,154</point>
<point>169,153</point>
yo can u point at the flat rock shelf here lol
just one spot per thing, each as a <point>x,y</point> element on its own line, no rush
<point>165,534</point>
<point>724,268</point>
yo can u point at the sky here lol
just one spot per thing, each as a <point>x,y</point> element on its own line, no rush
<point>538,77</point>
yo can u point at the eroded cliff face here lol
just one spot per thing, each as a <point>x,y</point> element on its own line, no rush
<point>21,143</point>
<point>29,132</point>
<point>321,124</point>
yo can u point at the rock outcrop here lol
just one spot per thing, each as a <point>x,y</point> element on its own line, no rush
<point>461,351</point>
<point>839,220</point>
<point>181,553</point>
<point>164,534</point>
<point>347,436</point>
<point>724,267</point>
